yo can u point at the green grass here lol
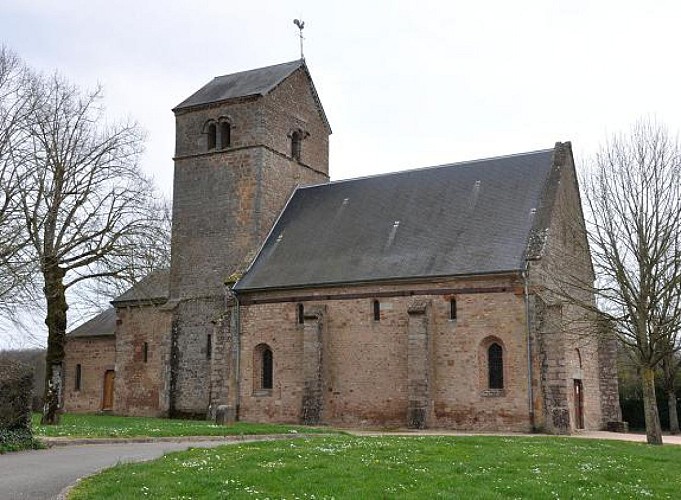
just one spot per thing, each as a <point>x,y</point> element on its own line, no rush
<point>400,467</point>
<point>109,426</point>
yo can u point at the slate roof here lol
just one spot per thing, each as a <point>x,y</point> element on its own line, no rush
<point>104,324</point>
<point>465,218</point>
<point>152,288</point>
<point>254,82</point>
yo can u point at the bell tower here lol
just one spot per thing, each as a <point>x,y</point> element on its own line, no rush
<point>244,142</point>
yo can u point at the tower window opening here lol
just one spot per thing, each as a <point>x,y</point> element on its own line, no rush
<point>145,352</point>
<point>377,310</point>
<point>79,376</point>
<point>211,139</point>
<point>225,135</point>
<point>301,314</point>
<point>296,143</point>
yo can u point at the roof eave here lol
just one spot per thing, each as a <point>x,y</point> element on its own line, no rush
<point>379,281</point>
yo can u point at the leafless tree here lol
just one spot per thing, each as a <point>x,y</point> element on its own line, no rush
<point>86,205</point>
<point>140,259</point>
<point>633,202</point>
<point>15,268</point>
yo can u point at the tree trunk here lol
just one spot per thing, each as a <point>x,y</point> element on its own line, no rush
<point>673,415</point>
<point>55,294</point>
<point>652,418</point>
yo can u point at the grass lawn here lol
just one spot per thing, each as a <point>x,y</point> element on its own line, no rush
<point>106,426</point>
<point>401,467</point>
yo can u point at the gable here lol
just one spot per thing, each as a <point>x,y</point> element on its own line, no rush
<point>460,219</point>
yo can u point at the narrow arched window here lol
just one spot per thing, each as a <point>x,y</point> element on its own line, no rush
<point>579,358</point>
<point>296,139</point>
<point>211,136</point>
<point>263,370</point>
<point>377,310</point>
<point>267,369</point>
<point>225,135</point>
<point>495,366</point>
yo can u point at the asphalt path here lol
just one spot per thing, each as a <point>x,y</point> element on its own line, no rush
<point>43,474</point>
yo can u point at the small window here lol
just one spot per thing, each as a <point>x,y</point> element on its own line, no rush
<point>301,314</point>
<point>209,346</point>
<point>79,375</point>
<point>495,365</point>
<point>377,310</point>
<point>579,358</point>
<point>145,352</point>
<point>267,369</point>
<point>452,309</point>
<point>296,139</point>
<point>211,138</point>
<point>263,370</point>
<point>225,135</point>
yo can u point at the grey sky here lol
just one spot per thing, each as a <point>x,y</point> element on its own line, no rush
<point>405,84</point>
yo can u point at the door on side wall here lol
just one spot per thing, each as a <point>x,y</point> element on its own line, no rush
<point>579,404</point>
<point>108,394</point>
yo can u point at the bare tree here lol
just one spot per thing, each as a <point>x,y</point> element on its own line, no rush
<point>633,201</point>
<point>15,267</point>
<point>85,203</point>
<point>140,259</point>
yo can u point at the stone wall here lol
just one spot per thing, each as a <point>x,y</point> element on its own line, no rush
<point>224,204</point>
<point>95,355</point>
<point>142,385</point>
<point>569,344</point>
<point>366,363</point>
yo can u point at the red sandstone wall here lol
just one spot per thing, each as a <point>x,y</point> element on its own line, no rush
<point>96,355</point>
<point>142,387</point>
<point>365,376</point>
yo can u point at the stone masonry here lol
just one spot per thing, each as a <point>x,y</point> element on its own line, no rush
<point>96,356</point>
<point>225,202</point>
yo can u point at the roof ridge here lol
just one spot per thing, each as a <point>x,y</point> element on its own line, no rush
<point>430,167</point>
<point>299,61</point>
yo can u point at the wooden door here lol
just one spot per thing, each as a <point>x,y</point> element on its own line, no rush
<point>108,394</point>
<point>579,405</point>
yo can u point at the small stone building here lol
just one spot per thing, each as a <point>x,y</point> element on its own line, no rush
<point>428,298</point>
<point>89,364</point>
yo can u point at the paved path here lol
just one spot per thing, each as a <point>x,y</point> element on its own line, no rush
<point>43,474</point>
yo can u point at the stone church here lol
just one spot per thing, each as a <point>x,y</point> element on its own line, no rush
<point>418,299</point>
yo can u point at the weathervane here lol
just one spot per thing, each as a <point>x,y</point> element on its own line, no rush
<point>301,25</point>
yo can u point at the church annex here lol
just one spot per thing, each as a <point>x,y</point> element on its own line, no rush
<point>419,299</point>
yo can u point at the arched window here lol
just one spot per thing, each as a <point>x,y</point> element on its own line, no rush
<point>263,367</point>
<point>377,310</point>
<point>296,140</point>
<point>579,358</point>
<point>495,366</point>
<point>225,134</point>
<point>266,381</point>
<point>211,136</point>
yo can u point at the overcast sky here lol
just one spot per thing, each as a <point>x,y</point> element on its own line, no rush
<point>404,84</point>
